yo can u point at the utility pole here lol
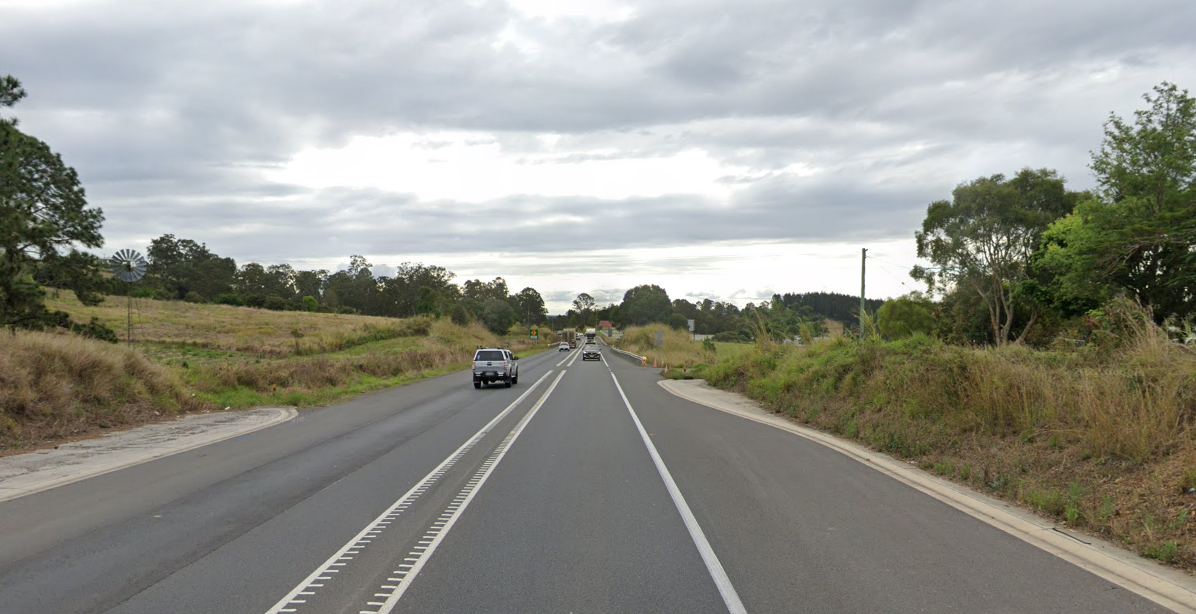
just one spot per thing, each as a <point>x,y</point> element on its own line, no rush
<point>863,264</point>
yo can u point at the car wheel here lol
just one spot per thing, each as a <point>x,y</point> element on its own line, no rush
<point>477,384</point>
<point>507,384</point>
<point>515,380</point>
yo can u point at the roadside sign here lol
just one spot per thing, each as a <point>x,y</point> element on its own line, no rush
<point>534,333</point>
<point>659,338</point>
<point>691,325</point>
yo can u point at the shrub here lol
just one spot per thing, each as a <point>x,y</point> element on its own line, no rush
<point>95,329</point>
<point>228,299</point>
<point>460,315</point>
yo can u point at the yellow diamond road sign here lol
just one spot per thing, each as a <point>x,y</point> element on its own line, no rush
<point>534,333</point>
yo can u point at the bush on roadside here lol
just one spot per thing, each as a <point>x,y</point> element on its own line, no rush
<point>1025,424</point>
<point>54,385</point>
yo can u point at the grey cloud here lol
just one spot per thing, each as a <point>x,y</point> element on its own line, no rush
<point>171,111</point>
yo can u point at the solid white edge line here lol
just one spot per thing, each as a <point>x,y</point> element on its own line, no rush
<point>323,568</point>
<point>717,573</point>
<point>393,600</point>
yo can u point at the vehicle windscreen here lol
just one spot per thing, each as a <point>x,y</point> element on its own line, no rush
<point>494,355</point>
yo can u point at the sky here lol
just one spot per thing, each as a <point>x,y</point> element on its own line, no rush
<point>723,149</point>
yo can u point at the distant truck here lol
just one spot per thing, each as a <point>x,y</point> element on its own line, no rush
<point>590,334</point>
<point>570,336</point>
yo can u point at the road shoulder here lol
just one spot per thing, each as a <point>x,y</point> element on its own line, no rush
<point>1168,587</point>
<point>37,471</point>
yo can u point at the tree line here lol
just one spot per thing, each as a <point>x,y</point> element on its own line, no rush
<point>1016,258</point>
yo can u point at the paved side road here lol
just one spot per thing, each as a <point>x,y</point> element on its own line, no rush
<point>31,472</point>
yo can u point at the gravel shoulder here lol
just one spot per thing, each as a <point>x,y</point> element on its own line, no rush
<point>40,470</point>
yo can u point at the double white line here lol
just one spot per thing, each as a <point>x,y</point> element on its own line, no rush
<point>298,596</point>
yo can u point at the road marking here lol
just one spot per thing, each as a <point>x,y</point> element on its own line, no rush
<point>435,535</point>
<point>717,573</point>
<point>384,520</point>
<point>571,358</point>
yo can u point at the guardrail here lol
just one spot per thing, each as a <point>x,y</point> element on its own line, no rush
<point>643,360</point>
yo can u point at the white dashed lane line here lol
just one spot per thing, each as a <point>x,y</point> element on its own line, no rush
<point>400,580</point>
<point>294,600</point>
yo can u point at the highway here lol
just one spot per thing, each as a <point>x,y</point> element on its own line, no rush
<point>584,488</point>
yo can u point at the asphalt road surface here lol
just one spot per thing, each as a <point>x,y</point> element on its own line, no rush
<point>584,488</point>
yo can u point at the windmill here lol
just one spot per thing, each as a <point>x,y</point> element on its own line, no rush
<point>129,266</point>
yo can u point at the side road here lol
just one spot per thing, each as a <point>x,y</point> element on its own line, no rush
<point>31,472</point>
<point>1168,587</point>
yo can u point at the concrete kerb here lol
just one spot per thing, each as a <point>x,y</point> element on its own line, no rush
<point>1165,586</point>
<point>33,472</point>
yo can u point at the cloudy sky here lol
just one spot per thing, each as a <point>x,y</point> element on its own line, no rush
<point>719,148</point>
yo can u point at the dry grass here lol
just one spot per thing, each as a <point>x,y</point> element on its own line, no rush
<point>679,348</point>
<point>1103,438</point>
<point>314,380</point>
<point>56,386</point>
<point>187,356</point>
<point>239,329</point>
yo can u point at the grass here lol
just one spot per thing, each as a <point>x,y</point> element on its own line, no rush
<point>188,357</point>
<point>678,349</point>
<point>59,386</point>
<point>171,325</point>
<point>1101,438</point>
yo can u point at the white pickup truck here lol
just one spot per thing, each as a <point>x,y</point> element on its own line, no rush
<point>495,365</point>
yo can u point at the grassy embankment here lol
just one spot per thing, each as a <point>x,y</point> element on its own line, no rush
<point>1101,438</point>
<point>189,357</point>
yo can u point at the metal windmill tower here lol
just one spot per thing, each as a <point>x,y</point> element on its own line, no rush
<point>129,266</point>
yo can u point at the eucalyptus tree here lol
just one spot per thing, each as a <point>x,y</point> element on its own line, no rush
<point>983,239</point>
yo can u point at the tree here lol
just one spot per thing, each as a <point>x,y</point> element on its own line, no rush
<point>181,266</point>
<point>253,279</point>
<point>310,283</point>
<point>481,291</point>
<point>905,316</point>
<point>460,315</point>
<point>43,217</point>
<point>584,304</point>
<point>1138,233</point>
<point>644,304</point>
<point>354,287</point>
<point>497,316</point>
<point>984,239</point>
<point>529,304</point>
